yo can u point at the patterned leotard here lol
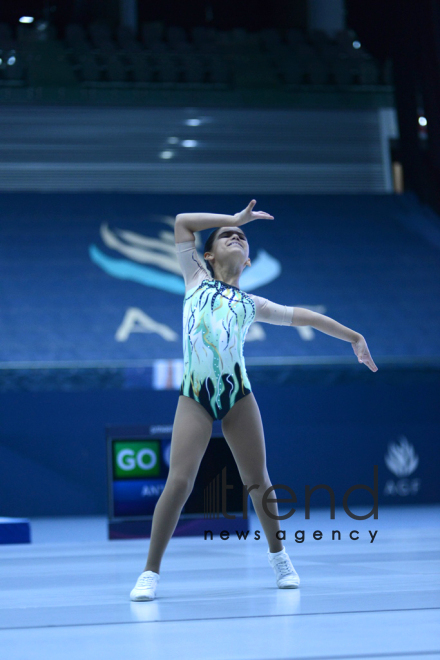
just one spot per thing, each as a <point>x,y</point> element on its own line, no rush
<point>216,319</point>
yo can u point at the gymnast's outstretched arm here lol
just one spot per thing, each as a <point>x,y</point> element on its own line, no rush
<point>331,327</point>
<point>270,312</point>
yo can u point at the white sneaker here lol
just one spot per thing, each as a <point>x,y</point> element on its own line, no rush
<point>287,577</point>
<point>145,587</point>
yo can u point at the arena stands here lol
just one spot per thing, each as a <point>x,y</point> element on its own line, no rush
<point>201,57</point>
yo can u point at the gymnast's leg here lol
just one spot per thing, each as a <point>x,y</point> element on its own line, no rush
<point>243,430</point>
<point>191,434</point>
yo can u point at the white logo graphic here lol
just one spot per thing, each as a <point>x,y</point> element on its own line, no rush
<point>153,262</point>
<point>135,320</point>
<point>401,458</point>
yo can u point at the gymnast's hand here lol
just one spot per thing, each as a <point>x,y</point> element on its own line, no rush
<point>247,215</point>
<point>363,354</point>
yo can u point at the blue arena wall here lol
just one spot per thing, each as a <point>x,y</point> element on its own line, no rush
<point>53,462</point>
<point>72,265</point>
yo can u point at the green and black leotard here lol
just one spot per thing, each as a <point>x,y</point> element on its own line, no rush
<point>216,319</point>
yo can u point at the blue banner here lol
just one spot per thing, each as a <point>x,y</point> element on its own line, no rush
<point>94,277</point>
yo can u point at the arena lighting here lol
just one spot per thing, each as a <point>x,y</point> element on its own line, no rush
<point>189,143</point>
<point>166,154</point>
<point>26,19</point>
<point>173,140</point>
<point>423,121</point>
<point>193,122</point>
<point>356,45</point>
<point>11,60</point>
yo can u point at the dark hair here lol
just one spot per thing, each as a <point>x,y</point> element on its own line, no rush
<point>208,246</point>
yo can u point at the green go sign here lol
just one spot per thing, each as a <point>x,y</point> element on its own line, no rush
<point>136,459</point>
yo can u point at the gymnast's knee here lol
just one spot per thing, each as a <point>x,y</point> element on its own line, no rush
<point>260,479</point>
<point>180,483</point>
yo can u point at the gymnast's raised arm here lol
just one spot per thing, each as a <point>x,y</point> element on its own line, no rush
<point>187,223</point>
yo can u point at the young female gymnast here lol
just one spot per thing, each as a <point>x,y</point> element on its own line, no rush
<point>216,317</point>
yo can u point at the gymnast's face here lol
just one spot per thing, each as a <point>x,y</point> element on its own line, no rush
<point>230,246</point>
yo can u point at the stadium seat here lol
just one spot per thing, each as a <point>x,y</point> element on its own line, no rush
<point>7,41</point>
<point>292,71</point>
<point>126,39</point>
<point>304,52</point>
<point>115,69</point>
<point>75,33</point>
<point>176,35</point>
<point>152,33</point>
<point>101,39</point>
<point>329,51</point>
<point>238,35</point>
<point>193,69</point>
<point>167,68</point>
<point>204,38</point>
<point>368,72</point>
<point>295,37</point>
<point>218,71</point>
<point>317,71</point>
<point>207,48</point>
<point>183,47</point>
<point>345,39</point>
<point>200,33</point>
<point>99,33</point>
<point>15,71</point>
<point>90,70</point>
<point>81,48</point>
<point>141,68</point>
<point>342,71</point>
<point>270,38</point>
<point>173,54</point>
<point>5,33</point>
<point>318,38</point>
<point>279,54</point>
<point>106,49</point>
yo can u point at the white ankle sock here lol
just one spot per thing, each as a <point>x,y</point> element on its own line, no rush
<point>275,554</point>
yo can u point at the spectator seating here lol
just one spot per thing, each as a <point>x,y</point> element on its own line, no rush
<point>204,56</point>
<point>12,62</point>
